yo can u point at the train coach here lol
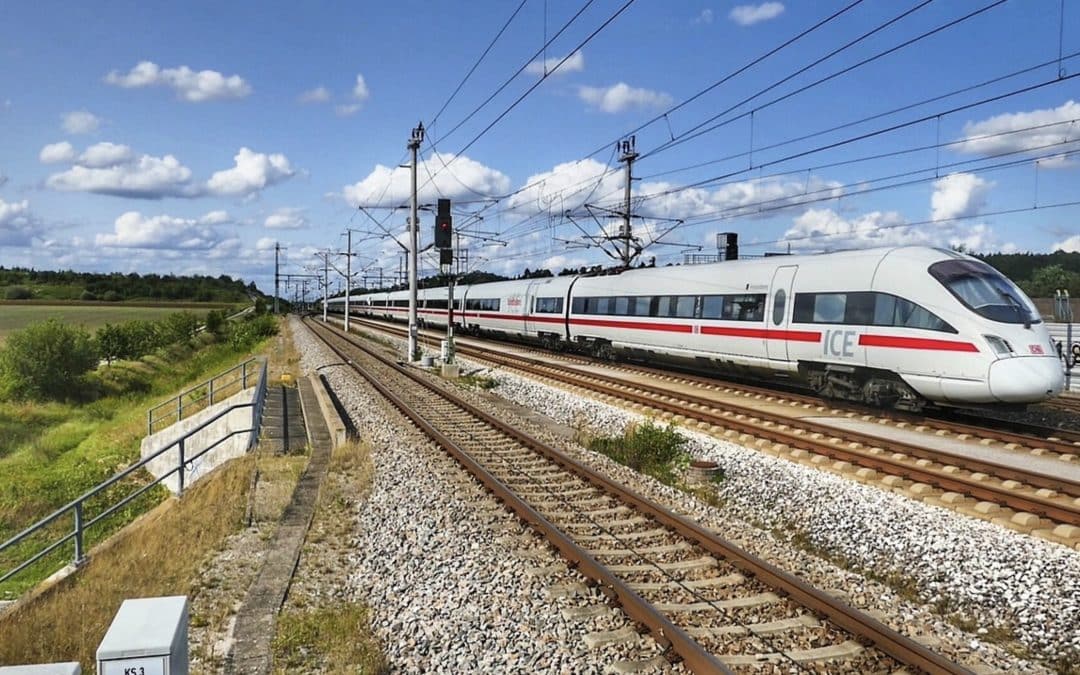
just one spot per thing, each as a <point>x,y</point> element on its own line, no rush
<point>893,327</point>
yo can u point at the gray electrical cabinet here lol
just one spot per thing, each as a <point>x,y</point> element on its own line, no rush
<point>148,636</point>
<point>68,668</point>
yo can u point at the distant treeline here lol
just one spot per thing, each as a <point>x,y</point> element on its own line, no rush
<point>24,284</point>
<point>1039,274</point>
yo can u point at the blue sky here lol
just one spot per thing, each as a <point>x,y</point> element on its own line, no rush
<point>189,137</point>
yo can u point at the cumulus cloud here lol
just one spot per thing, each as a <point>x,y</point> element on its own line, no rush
<point>1012,132</point>
<point>80,122</point>
<point>574,64</point>
<point>134,230</point>
<point>819,229</point>
<point>104,155</point>
<point>265,244</point>
<point>319,94</point>
<point>958,195</point>
<point>189,85</point>
<point>745,199</point>
<point>253,172</point>
<point>463,178</point>
<point>748,15</point>
<point>56,153</point>
<point>16,224</point>
<point>620,97</point>
<point>1070,245</point>
<point>286,219</point>
<point>144,178</point>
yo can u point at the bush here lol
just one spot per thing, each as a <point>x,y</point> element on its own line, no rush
<point>178,327</point>
<point>18,293</point>
<point>111,296</point>
<point>46,360</point>
<point>647,448</point>
<point>246,333</point>
<point>87,296</point>
<point>215,321</point>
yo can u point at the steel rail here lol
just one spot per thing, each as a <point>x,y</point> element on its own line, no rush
<point>1058,513</point>
<point>843,615</point>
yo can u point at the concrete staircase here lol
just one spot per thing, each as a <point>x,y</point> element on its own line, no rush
<point>283,429</point>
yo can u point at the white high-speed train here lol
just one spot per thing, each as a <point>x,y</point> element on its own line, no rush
<point>890,326</point>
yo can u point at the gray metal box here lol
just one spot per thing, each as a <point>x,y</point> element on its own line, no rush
<point>68,668</point>
<point>148,636</point>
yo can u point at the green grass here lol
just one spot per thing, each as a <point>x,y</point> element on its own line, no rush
<point>15,317</point>
<point>51,453</point>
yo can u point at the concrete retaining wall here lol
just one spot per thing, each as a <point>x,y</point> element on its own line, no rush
<point>235,446</point>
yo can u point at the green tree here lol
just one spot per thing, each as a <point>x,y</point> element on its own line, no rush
<point>46,360</point>
<point>1046,280</point>
<point>215,321</point>
<point>18,293</point>
<point>178,327</point>
<point>113,342</point>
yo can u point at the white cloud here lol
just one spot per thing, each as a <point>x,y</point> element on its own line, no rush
<point>1072,244</point>
<point>253,172</point>
<point>621,96</point>
<point>360,91</point>
<point>566,187</point>
<point>347,109</point>
<point>80,122</point>
<point>317,95</point>
<point>574,64</point>
<point>265,244</point>
<point>57,153</point>
<point>16,225</point>
<point>748,15</point>
<point>819,229</point>
<point>449,182</point>
<point>286,219</point>
<point>134,230</point>
<point>102,155</point>
<point>192,86</point>
<point>705,17</point>
<point>145,178</point>
<point>1012,132</point>
<point>958,195</point>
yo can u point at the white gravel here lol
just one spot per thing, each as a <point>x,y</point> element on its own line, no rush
<point>446,570</point>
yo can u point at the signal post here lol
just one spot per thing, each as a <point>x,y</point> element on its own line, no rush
<point>444,225</point>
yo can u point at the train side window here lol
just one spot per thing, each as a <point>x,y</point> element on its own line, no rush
<point>664,306</point>
<point>712,306</point>
<point>622,305</point>
<point>578,306</point>
<point>860,308</point>
<point>548,305</point>
<point>684,307</point>
<point>639,305</point>
<point>910,315</point>
<point>829,307</point>
<point>779,304</point>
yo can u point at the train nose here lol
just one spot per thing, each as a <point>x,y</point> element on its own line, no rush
<point>1026,379</point>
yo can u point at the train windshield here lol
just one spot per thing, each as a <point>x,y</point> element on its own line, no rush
<point>985,291</point>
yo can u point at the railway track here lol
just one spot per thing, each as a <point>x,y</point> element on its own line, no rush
<point>958,477</point>
<point>713,605</point>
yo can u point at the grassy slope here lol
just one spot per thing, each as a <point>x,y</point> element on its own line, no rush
<point>55,452</point>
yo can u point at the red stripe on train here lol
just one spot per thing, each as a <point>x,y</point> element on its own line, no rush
<point>763,333</point>
<point>868,340</point>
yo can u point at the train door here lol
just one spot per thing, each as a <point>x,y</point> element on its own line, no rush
<point>778,315</point>
<point>529,325</point>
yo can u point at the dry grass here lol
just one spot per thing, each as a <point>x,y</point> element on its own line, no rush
<point>154,556</point>
<point>316,632</point>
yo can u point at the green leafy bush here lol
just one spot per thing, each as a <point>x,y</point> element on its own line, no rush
<point>111,296</point>
<point>647,448</point>
<point>245,334</point>
<point>18,293</point>
<point>46,360</point>
<point>87,296</point>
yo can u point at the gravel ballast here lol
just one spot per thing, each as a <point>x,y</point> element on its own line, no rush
<point>1003,586</point>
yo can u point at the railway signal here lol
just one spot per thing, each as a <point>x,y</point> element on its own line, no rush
<point>443,225</point>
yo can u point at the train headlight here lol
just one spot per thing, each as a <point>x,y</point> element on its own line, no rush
<point>999,345</point>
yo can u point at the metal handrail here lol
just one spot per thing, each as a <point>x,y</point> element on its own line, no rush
<point>76,505</point>
<point>178,400</point>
